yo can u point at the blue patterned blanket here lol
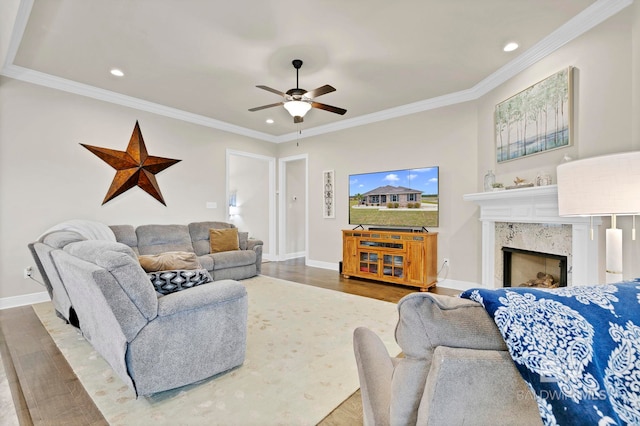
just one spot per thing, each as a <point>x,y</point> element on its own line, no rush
<point>577,347</point>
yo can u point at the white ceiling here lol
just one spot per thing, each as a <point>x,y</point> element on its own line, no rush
<point>200,60</point>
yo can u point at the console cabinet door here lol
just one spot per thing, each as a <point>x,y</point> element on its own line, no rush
<point>416,262</point>
<point>349,256</point>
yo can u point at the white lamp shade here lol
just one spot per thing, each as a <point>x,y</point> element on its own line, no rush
<point>600,186</point>
<point>297,108</point>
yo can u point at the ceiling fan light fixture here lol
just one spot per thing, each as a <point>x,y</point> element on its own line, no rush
<point>297,108</point>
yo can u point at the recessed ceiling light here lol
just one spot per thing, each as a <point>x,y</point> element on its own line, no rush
<point>510,47</point>
<point>269,121</point>
<point>117,72</point>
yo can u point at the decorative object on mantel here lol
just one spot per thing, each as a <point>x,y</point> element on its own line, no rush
<point>497,187</point>
<point>520,183</point>
<point>607,185</point>
<point>134,167</point>
<point>536,120</point>
<point>328,211</point>
<point>489,180</point>
<point>543,179</point>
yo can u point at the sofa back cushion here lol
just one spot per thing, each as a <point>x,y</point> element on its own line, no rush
<point>59,239</point>
<point>122,263</point>
<point>426,321</point>
<point>154,239</point>
<point>199,232</point>
<point>126,234</point>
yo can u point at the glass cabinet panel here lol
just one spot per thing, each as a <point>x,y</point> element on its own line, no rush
<point>392,265</point>
<point>369,262</point>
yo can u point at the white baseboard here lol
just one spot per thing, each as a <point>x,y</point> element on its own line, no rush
<point>26,299</point>
<point>290,256</point>
<point>457,285</point>
<point>323,265</point>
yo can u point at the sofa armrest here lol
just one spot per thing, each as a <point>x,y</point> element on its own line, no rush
<point>375,369</point>
<point>217,292</point>
<point>252,243</point>
<point>480,387</point>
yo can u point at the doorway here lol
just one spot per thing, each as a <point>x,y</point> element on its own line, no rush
<point>250,197</point>
<point>293,207</point>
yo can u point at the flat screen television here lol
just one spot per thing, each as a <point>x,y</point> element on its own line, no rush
<point>395,199</point>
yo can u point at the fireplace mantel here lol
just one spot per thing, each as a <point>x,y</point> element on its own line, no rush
<point>538,204</point>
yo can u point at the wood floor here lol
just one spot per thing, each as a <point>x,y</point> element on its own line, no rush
<point>46,391</point>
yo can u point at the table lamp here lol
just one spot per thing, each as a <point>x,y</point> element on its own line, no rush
<point>607,185</point>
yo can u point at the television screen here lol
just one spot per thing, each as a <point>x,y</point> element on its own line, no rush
<point>398,198</point>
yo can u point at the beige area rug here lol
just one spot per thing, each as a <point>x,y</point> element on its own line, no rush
<point>298,368</point>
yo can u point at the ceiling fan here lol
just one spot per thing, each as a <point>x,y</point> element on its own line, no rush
<point>299,101</point>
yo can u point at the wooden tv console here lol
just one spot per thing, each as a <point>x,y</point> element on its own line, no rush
<point>407,258</point>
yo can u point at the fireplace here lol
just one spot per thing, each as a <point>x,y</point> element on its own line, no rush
<point>534,211</point>
<point>526,268</point>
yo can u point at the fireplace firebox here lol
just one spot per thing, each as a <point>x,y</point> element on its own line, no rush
<point>533,269</point>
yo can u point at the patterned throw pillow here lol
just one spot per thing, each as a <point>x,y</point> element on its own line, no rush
<point>167,282</point>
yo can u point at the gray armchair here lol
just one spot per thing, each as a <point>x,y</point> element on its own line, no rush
<point>455,370</point>
<point>152,342</point>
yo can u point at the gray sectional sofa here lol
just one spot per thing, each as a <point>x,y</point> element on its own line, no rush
<point>145,240</point>
<point>153,342</point>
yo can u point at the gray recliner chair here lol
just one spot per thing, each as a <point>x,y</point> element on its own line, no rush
<point>456,369</point>
<point>153,342</point>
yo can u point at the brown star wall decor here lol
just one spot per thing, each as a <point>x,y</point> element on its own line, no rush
<point>134,167</point>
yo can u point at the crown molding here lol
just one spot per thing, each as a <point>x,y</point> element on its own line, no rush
<point>595,14</point>
<point>51,81</point>
<point>598,12</point>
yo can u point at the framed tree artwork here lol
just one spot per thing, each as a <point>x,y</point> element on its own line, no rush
<point>536,120</point>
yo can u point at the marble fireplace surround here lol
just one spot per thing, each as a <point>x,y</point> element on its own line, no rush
<point>535,205</point>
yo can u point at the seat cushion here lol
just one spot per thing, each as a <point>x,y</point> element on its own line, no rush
<point>231,259</point>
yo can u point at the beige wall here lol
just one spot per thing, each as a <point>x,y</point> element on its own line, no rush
<point>46,177</point>
<point>445,137</point>
<point>602,101</point>
<point>606,110</point>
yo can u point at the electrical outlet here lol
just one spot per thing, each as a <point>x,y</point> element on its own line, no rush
<point>445,262</point>
<point>28,272</point>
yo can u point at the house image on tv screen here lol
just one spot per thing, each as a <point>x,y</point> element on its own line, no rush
<point>396,196</point>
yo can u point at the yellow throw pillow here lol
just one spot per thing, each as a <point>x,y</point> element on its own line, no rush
<point>171,260</point>
<point>223,239</point>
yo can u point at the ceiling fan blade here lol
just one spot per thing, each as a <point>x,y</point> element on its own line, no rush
<point>269,89</point>
<point>329,108</point>
<point>266,106</point>
<point>298,119</point>
<point>320,91</point>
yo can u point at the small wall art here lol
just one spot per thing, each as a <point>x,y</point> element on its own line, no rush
<point>536,120</point>
<point>329,196</point>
